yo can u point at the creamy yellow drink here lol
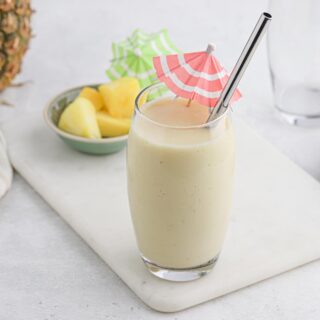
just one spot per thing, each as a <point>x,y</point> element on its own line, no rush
<point>180,176</point>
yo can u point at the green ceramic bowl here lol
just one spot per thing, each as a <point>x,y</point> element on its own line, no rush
<point>52,114</point>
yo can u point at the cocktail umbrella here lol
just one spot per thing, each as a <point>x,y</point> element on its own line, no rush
<point>195,76</point>
<point>133,56</point>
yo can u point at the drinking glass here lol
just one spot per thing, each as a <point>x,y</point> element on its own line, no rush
<point>180,182</point>
<point>294,59</point>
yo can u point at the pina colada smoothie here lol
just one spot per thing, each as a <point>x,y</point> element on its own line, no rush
<point>180,176</point>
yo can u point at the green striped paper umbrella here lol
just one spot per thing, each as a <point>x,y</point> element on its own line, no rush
<point>133,56</point>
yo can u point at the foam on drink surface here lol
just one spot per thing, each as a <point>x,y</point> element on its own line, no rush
<point>176,112</point>
<point>182,119</point>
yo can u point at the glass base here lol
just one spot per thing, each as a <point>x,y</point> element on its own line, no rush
<point>300,106</point>
<point>180,275</point>
<point>300,120</point>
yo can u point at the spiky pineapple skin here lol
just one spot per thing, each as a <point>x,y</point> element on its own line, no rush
<point>15,34</point>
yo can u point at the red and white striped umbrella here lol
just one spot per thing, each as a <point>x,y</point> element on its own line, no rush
<point>195,76</point>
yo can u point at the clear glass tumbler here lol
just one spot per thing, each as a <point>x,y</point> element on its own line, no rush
<point>180,181</point>
<point>294,58</point>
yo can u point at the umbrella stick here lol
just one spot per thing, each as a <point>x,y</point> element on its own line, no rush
<point>241,65</point>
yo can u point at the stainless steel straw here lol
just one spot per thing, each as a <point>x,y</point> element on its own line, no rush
<point>241,65</point>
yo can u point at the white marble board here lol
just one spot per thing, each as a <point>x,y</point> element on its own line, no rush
<point>274,227</point>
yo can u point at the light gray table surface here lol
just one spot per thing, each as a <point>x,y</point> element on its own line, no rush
<point>46,270</point>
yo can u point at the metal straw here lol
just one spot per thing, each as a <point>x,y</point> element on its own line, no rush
<point>241,65</point>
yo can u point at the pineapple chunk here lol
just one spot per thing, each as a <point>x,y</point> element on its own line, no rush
<point>119,96</point>
<point>112,127</point>
<point>92,95</point>
<point>79,118</point>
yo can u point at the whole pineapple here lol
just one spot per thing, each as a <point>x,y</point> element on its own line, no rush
<point>15,33</point>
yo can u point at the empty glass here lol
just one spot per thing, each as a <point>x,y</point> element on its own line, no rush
<point>294,59</point>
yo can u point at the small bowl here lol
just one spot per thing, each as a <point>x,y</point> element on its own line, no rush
<point>101,146</point>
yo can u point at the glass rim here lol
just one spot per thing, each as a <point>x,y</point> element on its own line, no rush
<point>198,126</point>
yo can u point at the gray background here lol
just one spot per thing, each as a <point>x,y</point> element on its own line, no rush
<point>46,270</point>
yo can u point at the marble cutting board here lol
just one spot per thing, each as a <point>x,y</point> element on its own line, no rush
<point>274,226</point>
